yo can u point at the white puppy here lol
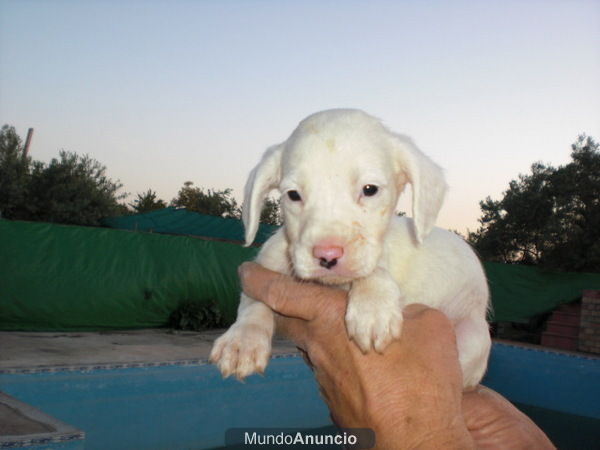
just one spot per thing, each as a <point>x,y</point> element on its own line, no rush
<point>340,174</point>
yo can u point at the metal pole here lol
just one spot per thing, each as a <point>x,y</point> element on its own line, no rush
<point>27,142</point>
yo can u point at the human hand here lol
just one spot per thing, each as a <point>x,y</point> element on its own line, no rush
<point>494,422</point>
<point>411,395</point>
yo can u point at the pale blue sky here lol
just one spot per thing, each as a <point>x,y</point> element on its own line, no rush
<point>167,91</point>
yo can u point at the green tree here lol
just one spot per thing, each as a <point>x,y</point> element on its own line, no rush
<point>14,174</point>
<point>210,202</point>
<point>576,189</point>
<point>270,213</point>
<point>549,217</point>
<point>72,189</point>
<point>147,202</point>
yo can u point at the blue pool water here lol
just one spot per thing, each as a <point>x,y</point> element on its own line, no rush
<point>190,406</point>
<point>173,406</point>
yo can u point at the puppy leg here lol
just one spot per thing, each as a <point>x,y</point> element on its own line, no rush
<point>374,313</point>
<point>245,348</point>
<point>474,343</point>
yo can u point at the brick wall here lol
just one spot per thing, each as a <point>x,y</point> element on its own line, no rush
<point>589,330</point>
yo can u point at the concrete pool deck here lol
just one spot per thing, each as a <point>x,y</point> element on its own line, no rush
<point>26,352</point>
<point>33,350</point>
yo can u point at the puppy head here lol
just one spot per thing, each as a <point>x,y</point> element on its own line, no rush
<point>340,174</point>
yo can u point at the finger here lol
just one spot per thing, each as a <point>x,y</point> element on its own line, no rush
<point>414,310</point>
<point>285,295</point>
<point>425,319</point>
<point>306,358</point>
<point>292,328</point>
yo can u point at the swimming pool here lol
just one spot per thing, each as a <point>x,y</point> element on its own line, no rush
<point>188,405</point>
<point>559,391</point>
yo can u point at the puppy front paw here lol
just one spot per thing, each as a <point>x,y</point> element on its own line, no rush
<point>374,320</point>
<point>243,350</point>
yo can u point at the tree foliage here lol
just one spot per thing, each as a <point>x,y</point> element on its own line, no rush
<point>211,202</point>
<point>71,189</point>
<point>550,217</point>
<point>221,203</point>
<point>271,213</point>
<point>147,202</point>
<point>14,173</point>
<point>74,189</point>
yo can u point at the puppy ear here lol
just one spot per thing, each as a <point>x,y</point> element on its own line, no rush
<point>427,181</point>
<point>263,178</point>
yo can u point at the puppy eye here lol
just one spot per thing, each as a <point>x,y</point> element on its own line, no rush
<point>294,196</point>
<point>369,190</point>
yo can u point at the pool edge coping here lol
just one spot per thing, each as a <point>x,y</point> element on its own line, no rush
<point>118,365</point>
<point>63,431</point>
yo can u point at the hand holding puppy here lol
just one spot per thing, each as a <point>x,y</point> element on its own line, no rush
<point>411,395</point>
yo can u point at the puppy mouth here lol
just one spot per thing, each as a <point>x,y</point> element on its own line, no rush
<point>333,279</point>
<point>328,274</point>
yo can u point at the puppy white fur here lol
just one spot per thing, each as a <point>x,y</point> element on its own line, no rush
<point>340,174</point>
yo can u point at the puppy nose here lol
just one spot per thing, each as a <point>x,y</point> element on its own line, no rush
<point>328,255</point>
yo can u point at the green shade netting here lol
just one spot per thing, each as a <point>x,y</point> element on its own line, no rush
<point>183,222</point>
<point>521,292</point>
<point>57,277</point>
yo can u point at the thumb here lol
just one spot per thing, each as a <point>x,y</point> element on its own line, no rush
<point>283,294</point>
